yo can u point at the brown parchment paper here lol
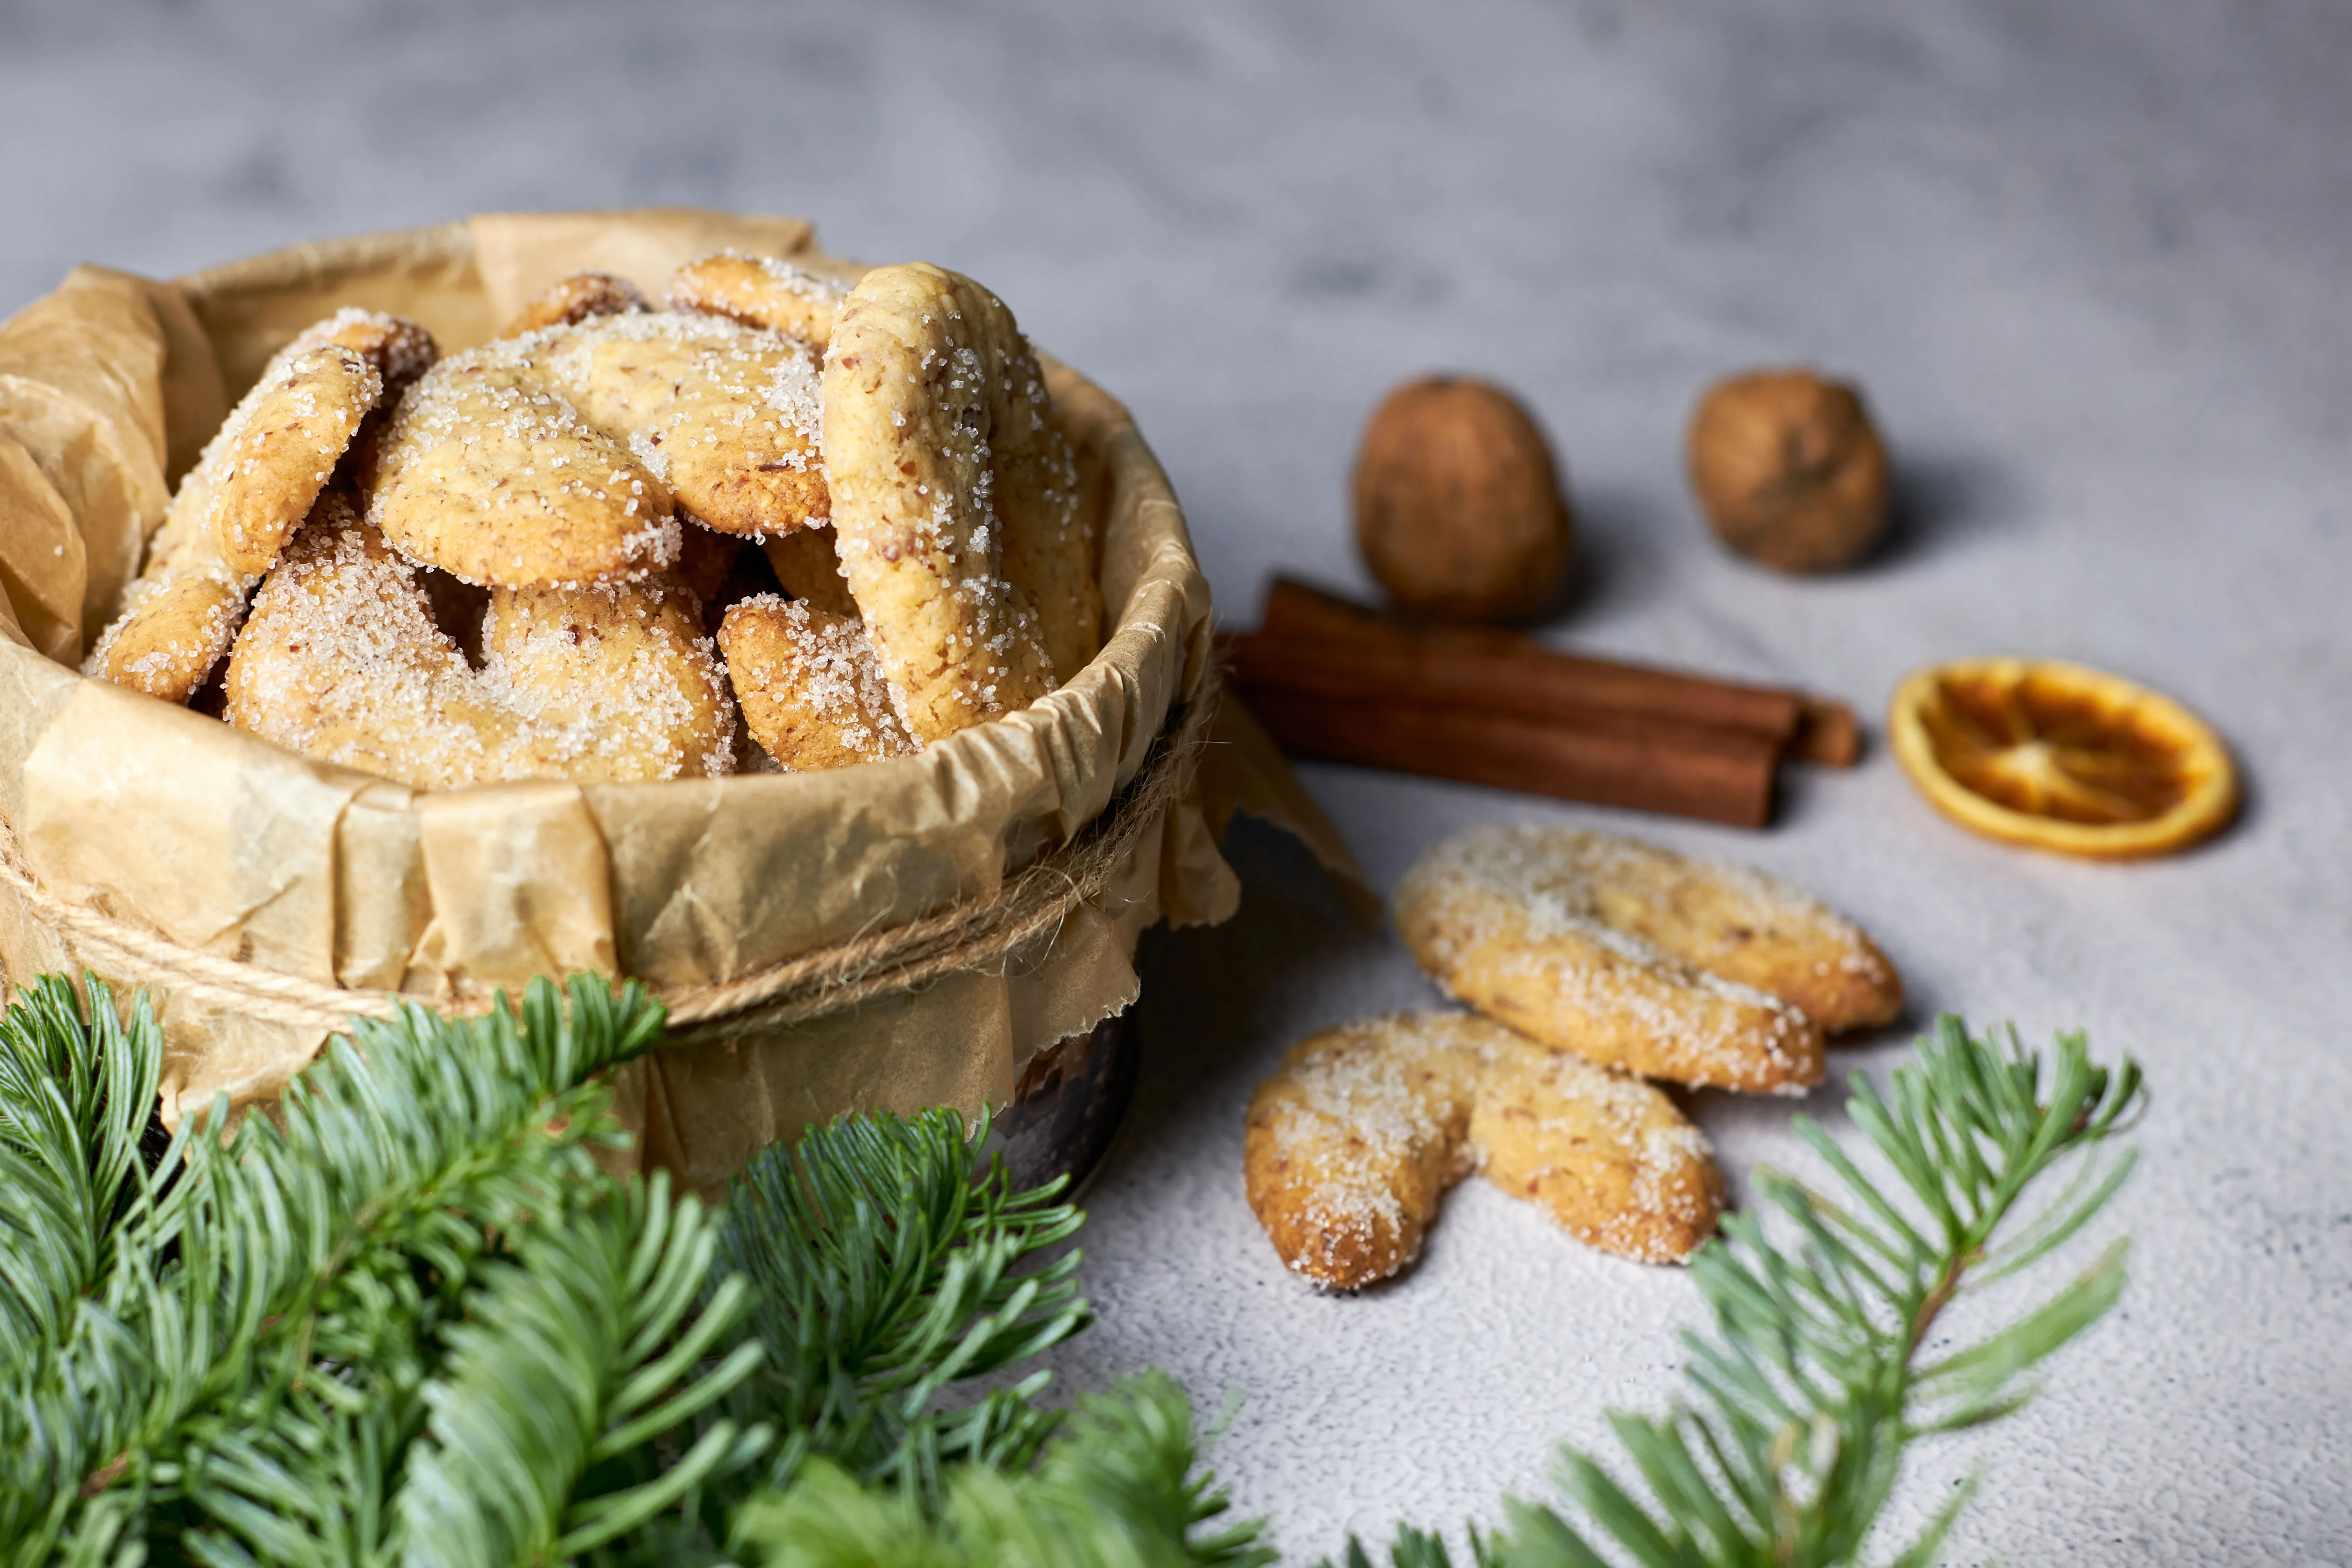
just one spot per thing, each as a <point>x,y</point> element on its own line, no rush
<point>174,823</point>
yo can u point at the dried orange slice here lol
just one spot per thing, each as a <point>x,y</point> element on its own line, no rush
<point>2061,757</point>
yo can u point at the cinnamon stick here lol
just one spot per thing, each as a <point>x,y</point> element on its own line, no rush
<point>1827,733</point>
<point>1727,776</point>
<point>1507,671</point>
<point>1406,666</point>
<point>1332,681</point>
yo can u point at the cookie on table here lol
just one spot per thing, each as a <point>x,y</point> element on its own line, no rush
<point>1743,925</point>
<point>1608,1156</point>
<point>1355,1138</point>
<point>1637,958</point>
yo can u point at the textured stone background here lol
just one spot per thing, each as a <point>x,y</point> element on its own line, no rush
<point>2088,259</point>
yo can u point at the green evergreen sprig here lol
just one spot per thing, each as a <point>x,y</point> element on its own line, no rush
<point>260,1354</point>
<point>883,1271</point>
<point>1121,1489</point>
<point>1799,1406</point>
<point>411,1320</point>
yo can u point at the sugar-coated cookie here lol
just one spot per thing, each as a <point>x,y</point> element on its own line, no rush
<point>171,633</point>
<point>489,472</point>
<point>810,688</point>
<point>179,616</point>
<point>725,416</point>
<point>1636,958</point>
<point>340,659</point>
<point>1353,1141</point>
<point>285,450</point>
<point>940,446</point>
<point>759,291</point>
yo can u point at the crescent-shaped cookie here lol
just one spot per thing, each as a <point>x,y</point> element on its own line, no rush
<point>486,471</point>
<point>180,615</point>
<point>613,681</point>
<point>292,436</point>
<point>399,350</point>
<point>1736,923</point>
<point>759,291</point>
<point>172,632</point>
<point>1353,1141</point>
<point>809,688</point>
<point>725,416</point>
<point>340,659</point>
<point>1636,958</point>
<point>928,418</point>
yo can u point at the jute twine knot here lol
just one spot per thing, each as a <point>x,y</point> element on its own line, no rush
<point>980,934</point>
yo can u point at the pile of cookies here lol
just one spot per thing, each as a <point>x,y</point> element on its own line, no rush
<point>1600,963</point>
<point>623,543</point>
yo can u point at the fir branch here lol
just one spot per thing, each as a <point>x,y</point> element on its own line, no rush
<point>573,1357</point>
<point>256,1346</point>
<point>1120,1489</point>
<point>411,1320</point>
<point>884,1271</point>
<point>1816,1378</point>
<point>73,1108</point>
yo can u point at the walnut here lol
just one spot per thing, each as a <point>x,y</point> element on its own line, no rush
<point>1788,471</point>
<point>1459,511</point>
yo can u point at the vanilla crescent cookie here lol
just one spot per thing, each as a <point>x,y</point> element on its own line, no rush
<point>1353,1141</point>
<point>340,659</point>
<point>397,348</point>
<point>180,614</point>
<point>1738,923</point>
<point>1637,958</point>
<point>809,688</point>
<point>1608,1156</point>
<point>807,564</point>
<point>578,298</point>
<point>725,416</point>
<point>759,291</point>
<point>489,473</point>
<point>291,439</point>
<point>926,416</point>
<point>171,633</point>
<point>614,682</point>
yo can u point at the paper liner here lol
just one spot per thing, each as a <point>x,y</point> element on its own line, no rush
<point>176,824</point>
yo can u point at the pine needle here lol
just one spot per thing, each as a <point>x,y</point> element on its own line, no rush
<point>1790,1438</point>
<point>410,1321</point>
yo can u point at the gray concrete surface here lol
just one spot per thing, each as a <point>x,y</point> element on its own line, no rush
<point>2088,260</point>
